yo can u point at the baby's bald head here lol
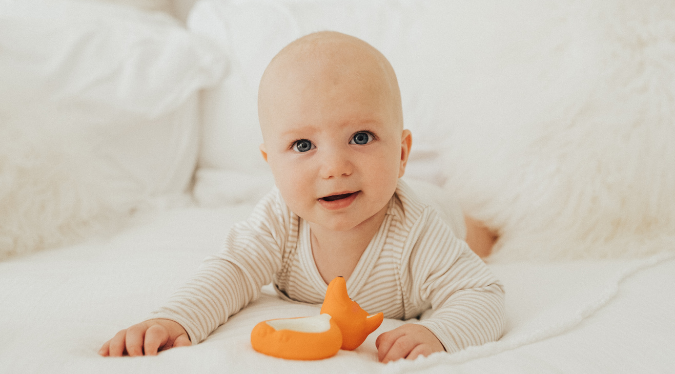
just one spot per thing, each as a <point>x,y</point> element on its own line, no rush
<point>323,60</point>
<point>330,113</point>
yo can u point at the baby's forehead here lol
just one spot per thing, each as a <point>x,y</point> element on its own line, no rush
<point>325,60</point>
<point>329,53</point>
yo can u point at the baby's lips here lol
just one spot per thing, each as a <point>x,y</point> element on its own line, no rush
<point>298,338</point>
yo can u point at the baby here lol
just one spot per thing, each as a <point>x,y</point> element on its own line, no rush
<point>330,113</point>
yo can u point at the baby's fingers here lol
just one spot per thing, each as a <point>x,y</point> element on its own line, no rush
<point>400,349</point>
<point>117,344</point>
<point>385,341</point>
<point>155,337</point>
<point>182,341</point>
<point>135,339</point>
<point>105,349</point>
<point>420,350</point>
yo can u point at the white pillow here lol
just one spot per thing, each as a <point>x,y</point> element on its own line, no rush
<point>165,6</point>
<point>99,113</point>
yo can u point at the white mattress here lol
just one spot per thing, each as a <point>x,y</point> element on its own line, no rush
<point>57,307</point>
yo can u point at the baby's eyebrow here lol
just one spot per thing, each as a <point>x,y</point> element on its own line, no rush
<point>304,131</point>
<point>301,131</point>
<point>364,122</point>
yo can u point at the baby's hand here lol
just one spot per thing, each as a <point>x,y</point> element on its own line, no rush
<point>147,338</point>
<point>407,341</point>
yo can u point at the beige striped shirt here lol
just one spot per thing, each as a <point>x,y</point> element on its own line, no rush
<point>413,263</point>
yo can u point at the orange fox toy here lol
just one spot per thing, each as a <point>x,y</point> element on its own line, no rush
<point>341,324</point>
<point>354,322</point>
<point>309,338</point>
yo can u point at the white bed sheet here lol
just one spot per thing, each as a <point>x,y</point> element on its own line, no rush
<point>58,306</point>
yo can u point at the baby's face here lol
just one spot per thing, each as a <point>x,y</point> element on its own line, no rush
<point>333,138</point>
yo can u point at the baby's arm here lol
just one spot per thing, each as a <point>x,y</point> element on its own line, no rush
<point>468,301</point>
<point>225,283</point>
<point>466,298</point>
<point>229,280</point>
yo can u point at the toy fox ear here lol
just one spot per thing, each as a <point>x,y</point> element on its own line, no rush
<point>337,290</point>
<point>354,322</point>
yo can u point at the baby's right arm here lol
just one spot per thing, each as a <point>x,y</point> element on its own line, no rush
<point>146,338</point>
<point>225,283</point>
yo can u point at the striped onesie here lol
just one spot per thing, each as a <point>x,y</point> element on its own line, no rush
<point>413,263</point>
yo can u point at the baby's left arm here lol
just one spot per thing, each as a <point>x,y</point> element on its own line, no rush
<point>458,321</point>
<point>471,316</point>
<point>466,298</point>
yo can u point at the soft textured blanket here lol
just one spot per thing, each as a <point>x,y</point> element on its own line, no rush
<point>57,307</point>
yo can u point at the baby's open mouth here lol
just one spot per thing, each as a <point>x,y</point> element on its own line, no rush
<point>338,197</point>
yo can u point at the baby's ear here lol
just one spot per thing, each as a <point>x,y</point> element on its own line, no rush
<point>406,144</point>
<point>263,151</point>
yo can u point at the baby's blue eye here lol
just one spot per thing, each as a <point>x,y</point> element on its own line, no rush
<point>302,145</point>
<point>362,138</point>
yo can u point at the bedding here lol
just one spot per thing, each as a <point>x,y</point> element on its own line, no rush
<point>99,116</point>
<point>552,121</point>
<point>59,306</point>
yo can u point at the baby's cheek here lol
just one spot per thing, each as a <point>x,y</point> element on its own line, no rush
<point>299,198</point>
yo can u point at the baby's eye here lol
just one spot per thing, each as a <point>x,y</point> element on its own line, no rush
<point>302,145</point>
<point>362,137</point>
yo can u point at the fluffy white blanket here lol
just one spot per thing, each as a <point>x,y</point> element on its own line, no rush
<point>59,306</point>
<point>557,131</point>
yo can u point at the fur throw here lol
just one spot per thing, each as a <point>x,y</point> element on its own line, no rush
<point>53,191</point>
<point>570,152</point>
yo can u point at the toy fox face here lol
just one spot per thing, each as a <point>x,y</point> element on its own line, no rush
<point>354,322</point>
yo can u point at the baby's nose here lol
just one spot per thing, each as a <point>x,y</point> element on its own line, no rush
<point>336,164</point>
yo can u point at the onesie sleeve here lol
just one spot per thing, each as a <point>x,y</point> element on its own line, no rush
<point>229,280</point>
<point>466,298</point>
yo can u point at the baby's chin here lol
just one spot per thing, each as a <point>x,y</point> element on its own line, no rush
<point>347,221</point>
